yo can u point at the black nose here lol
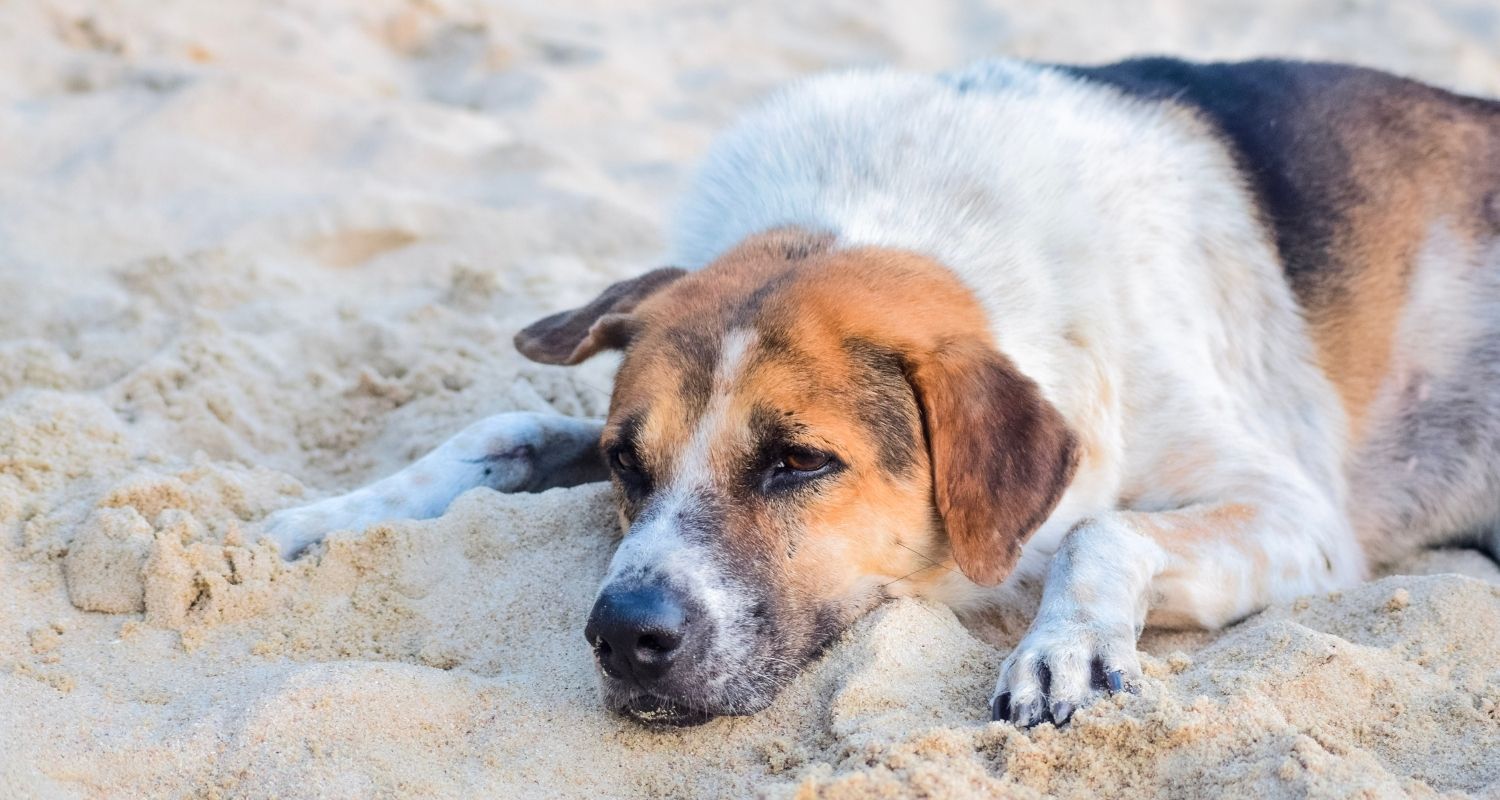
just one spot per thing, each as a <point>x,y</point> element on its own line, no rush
<point>636,632</point>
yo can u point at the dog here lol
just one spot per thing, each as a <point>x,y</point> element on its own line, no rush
<point>1178,340</point>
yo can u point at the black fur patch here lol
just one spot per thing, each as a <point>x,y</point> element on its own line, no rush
<point>771,432</point>
<point>885,403</point>
<point>749,310</point>
<point>697,351</point>
<point>634,488</point>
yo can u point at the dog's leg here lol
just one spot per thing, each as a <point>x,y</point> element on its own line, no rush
<point>517,452</point>
<point>1203,566</point>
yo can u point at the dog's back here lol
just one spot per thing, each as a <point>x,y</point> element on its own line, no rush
<point>1383,195</point>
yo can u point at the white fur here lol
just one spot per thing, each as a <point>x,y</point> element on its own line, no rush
<point>507,452</point>
<point>693,469</point>
<point>655,550</point>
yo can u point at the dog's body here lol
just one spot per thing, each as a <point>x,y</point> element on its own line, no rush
<point>1203,337</point>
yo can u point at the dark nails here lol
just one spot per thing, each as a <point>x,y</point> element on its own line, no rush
<point>1032,713</point>
<point>1116,680</point>
<point>1000,708</point>
<point>1061,713</point>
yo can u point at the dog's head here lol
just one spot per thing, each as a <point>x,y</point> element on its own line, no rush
<point>796,432</point>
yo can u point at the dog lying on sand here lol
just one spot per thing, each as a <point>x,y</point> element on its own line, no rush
<point>1180,340</point>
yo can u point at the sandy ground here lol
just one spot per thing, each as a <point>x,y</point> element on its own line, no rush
<point>253,254</point>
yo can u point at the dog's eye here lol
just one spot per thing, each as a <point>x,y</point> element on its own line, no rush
<point>624,461</point>
<point>803,461</point>
<point>798,466</point>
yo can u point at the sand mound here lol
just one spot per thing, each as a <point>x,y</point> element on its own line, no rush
<point>252,255</point>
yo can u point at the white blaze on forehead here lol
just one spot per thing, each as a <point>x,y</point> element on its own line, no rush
<point>692,464</point>
<point>732,356</point>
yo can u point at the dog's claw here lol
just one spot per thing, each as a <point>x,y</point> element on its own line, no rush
<point>1061,713</point>
<point>1000,708</point>
<point>1116,680</point>
<point>1030,714</point>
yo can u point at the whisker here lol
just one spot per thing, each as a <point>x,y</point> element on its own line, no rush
<point>929,611</point>
<point>582,382</point>
<point>924,556</point>
<point>909,574</point>
<point>930,565</point>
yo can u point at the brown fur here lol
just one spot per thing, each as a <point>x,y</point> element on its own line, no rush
<point>995,488</point>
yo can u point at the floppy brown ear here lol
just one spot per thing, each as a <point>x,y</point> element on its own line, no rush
<point>1002,455</point>
<point>606,323</point>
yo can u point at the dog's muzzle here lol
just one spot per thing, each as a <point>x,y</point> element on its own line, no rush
<point>640,636</point>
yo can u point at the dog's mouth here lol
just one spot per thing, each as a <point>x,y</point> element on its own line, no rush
<point>703,694</point>
<point>653,711</point>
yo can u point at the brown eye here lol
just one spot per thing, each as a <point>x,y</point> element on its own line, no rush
<point>804,460</point>
<point>798,466</point>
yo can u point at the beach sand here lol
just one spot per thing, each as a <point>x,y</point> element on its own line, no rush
<point>255,253</point>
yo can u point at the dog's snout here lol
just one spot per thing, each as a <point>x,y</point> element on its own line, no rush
<point>637,633</point>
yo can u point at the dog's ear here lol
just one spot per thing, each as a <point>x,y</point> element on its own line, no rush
<point>1001,454</point>
<point>604,324</point>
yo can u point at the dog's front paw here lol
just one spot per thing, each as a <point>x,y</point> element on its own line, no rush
<point>1063,665</point>
<point>295,529</point>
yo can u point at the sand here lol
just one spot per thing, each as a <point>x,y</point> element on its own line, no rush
<point>253,254</point>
